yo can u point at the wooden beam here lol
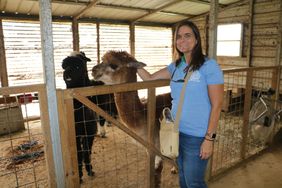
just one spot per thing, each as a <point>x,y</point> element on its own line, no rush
<point>4,6</point>
<point>66,2</point>
<point>18,6</point>
<point>98,42</point>
<point>238,3</point>
<point>132,39</point>
<point>213,29</point>
<point>207,34</point>
<point>250,33</point>
<point>46,129</point>
<point>176,13</point>
<point>278,56</point>
<point>75,35</point>
<point>279,39</point>
<point>151,115</point>
<point>122,7</point>
<point>204,2</point>
<point>212,52</point>
<point>157,10</point>
<point>247,107</point>
<point>67,127</point>
<point>3,64</point>
<point>199,1</point>
<point>89,6</point>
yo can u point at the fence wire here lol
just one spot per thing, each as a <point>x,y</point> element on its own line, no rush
<point>22,160</point>
<point>118,160</point>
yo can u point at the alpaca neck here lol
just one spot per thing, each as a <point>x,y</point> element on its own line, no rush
<point>130,109</point>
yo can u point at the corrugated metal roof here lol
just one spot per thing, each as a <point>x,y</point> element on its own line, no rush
<point>151,11</point>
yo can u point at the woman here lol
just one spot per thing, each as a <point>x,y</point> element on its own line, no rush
<point>202,102</point>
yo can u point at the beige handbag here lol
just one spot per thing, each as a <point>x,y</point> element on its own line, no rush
<point>169,133</point>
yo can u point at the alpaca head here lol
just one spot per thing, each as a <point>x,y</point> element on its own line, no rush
<point>75,70</point>
<point>117,67</point>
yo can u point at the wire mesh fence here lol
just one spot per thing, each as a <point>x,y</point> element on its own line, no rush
<point>22,160</point>
<point>235,142</point>
<point>118,160</point>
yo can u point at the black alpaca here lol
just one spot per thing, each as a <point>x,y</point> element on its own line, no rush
<point>75,75</point>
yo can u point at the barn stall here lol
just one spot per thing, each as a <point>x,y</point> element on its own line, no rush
<point>145,32</point>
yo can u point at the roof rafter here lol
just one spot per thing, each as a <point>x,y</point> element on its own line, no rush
<point>238,3</point>
<point>203,2</point>
<point>170,4</point>
<point>157,10</point>
<point>67,2</point>
<point>5,5</point>
<point>122,7</point>
<point>90,5</point>
<point>199,1</point>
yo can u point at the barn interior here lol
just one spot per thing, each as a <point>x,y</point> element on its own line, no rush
<point>37,122</point>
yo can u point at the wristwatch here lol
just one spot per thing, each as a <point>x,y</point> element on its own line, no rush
<point>211,135</point>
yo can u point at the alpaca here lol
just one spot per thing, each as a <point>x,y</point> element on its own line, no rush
<point>74,79</point>
<point>120,67</point>
<point>75,75</point>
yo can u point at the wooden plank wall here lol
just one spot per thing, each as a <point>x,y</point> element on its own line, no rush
<point>22,45</point>
<point>266,20</point>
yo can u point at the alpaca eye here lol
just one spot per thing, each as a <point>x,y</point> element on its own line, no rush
<point>113,66</point>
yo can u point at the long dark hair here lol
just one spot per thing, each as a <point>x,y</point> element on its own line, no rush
<point>198,58</point>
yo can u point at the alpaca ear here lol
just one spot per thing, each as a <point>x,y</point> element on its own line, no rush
<point>82,54</point>
<point>136,64</point>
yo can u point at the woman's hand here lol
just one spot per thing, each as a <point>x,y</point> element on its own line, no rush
<point>206,149</point>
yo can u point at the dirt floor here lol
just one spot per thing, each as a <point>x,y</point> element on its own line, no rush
<point>263,172</point>
<point>120,162</point>
<point>22,161</point>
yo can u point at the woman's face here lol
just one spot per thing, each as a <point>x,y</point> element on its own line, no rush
<point>185,40</point>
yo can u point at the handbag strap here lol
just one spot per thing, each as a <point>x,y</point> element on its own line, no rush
<point>180,104</point>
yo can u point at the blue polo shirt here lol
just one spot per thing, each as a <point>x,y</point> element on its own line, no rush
<point>196,108</point>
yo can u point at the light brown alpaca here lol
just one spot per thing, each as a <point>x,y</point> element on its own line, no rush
<point>120,67</point>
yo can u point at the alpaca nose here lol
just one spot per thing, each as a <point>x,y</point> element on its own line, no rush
<point>95,72</point>
<point>96,75</point>
<point>67,78</point>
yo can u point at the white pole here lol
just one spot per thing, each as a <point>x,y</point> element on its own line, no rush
<point>49,80</point>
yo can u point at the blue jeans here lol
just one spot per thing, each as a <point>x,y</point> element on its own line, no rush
<point>191,166</point>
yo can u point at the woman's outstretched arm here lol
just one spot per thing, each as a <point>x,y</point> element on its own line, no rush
<point>160,74</point>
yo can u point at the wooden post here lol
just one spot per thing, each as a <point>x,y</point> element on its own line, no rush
<point>279,54</point>
<point>3,65</point>
<point>250,33</point>
<point>151,115</point>
<point>132,39</point>
<point>173,49</point>
<point>69,151</point>
<point>75,35</point>
<point>212,54</point>
<point>247,107</point>
<point>206,34</point>
<point>213,29</point>
<point>49,79</point>
<point>44,117</point>
<point>279,39</point>
<point>98,42</point>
